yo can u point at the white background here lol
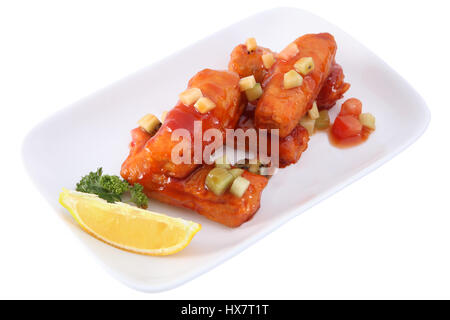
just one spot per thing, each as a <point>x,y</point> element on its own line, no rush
<point>385,236</point>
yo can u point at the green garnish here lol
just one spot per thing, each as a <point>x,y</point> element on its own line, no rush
<point>114,184</point>
<point>138,196</point>
<point>111,188</point>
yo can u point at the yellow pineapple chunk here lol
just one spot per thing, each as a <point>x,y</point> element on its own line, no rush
<point>251,44</point>
<point>305,65</point>
<point>314,112</point>
<point>308,124</point>
<point>247,83</point>
<point>203,105</point>
<point>254,93</point>
<point>268,60</point>
<point>239,186</point>
<point>292,79</point>
<point>367,120</point>
<point>149,123</point>
<point>189,96</point>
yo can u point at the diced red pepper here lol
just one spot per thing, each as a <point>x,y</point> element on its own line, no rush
<point>351,107</point>
<point>346,126</point>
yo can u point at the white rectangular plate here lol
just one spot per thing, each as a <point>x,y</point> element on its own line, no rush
<point>94,132</point>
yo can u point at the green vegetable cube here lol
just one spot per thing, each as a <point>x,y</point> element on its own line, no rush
<point>239,186</point>
<point>219,180</point>
<point>323,122</point>
<point>308,124</point>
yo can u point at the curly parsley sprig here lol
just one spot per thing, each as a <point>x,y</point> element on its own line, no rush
<point>111,188</point>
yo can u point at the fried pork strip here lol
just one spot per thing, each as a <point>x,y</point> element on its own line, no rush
<point>247,64</point>
<point>222,87</point>
<point>333,89</point>
<point>291,147</point>
<point>191,193</point>
<point>280,108</point>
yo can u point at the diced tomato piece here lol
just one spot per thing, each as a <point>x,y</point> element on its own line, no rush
<point>346,126</point>
<point>351,107</point>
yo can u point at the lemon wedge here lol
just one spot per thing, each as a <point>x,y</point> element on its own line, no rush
<point>127,227</point>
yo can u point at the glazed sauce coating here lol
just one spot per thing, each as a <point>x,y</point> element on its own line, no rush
<point>222,87</point>
<point>350,141</point>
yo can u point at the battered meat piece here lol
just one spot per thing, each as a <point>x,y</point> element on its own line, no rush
<point>246,64</point>
<point>226,209</point>
<point>280,108</point>
<point>222,87</point>
<point>291,147</point>
<point>191,192</point>
<point>333,89</point>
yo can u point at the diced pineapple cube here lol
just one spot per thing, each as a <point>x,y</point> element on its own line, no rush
<point>149,123</point>
<point>305,65</point>
<point>254,93</point>
<point>308,124</point>
<point>236,172</point>
<point>367,120</point>
<point>163,116</point>
<point>204,105</point>
<point>268,60</point>
<point>323,122</point>
<point>239,186</point>
<point>289,52</point>
<point>219,180</point>
<point>292,79</point>
<point>222,162</point>
<point>314,112</point>
<point>251,44</point>
<point>189,96</point>
<point>247,83</point>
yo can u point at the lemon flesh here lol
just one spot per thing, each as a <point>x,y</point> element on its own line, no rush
<point>127,227</point>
